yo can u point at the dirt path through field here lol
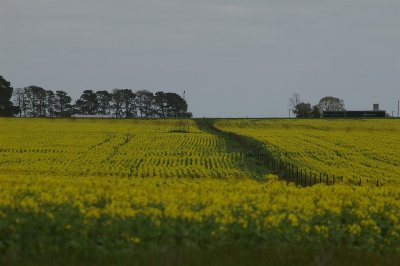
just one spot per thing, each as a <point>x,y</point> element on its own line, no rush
<point>250,163</point>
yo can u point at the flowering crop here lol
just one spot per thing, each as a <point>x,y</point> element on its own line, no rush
<point>355,148</point>
<point>198,211</point>
<point>121,148</point>
<point>122,184</point>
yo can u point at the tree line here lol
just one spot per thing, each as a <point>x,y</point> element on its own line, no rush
<point>306,110</point>
<point>35,101</point>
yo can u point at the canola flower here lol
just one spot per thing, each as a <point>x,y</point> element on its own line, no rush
<point>350,148</point>
<point>206,210</point>
<point>84,184</point>
<point>121,148</point>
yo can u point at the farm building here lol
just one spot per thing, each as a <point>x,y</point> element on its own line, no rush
<point>332,114</point>
<point>371,114</point>
<point>374,113</point>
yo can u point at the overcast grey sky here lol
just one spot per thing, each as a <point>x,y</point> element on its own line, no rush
<point>234,58</point>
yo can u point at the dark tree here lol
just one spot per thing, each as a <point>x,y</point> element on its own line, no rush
<point>170,105</point>
<point>104,99</point>
<point>36,101</point>
<point>6,91</point>
<point>124,103</point>
<point>30,101</point>
<point>117,102</point>
<point>144,102</point>
<point>20,101</point>
<point>87,103</point>
<point>177,105</point>
<point>316,113</point>
<point>63,104</point>
<point>330,103</point>
<point>160,104</point>
<point>129,103</point>
<point>42,100</point>
<point>50,103</point>
<point>303,110</point>
<point>167,104</point>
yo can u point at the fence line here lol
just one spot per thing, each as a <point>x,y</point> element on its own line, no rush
<point>286,170</point>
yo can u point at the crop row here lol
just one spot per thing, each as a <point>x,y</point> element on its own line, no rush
<point>352,149</point>
<point>119,212</point>
<point>122,148</point>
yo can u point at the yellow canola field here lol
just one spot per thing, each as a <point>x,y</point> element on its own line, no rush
<point>349,148</point>
<point>207,210</point>
<point>120,148</point>
<point>73,185</point>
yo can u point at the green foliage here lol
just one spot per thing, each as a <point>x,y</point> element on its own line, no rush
<point>330,103</point>
<point>6,106</point>
<point>303,110</point>
<point>316,112</point>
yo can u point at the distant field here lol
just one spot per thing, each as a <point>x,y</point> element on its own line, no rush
<point>119,148</point>
<point>351,148</point>
<point>125,187</point>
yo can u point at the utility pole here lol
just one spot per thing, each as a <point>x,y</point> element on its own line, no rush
<point>398,108</point>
